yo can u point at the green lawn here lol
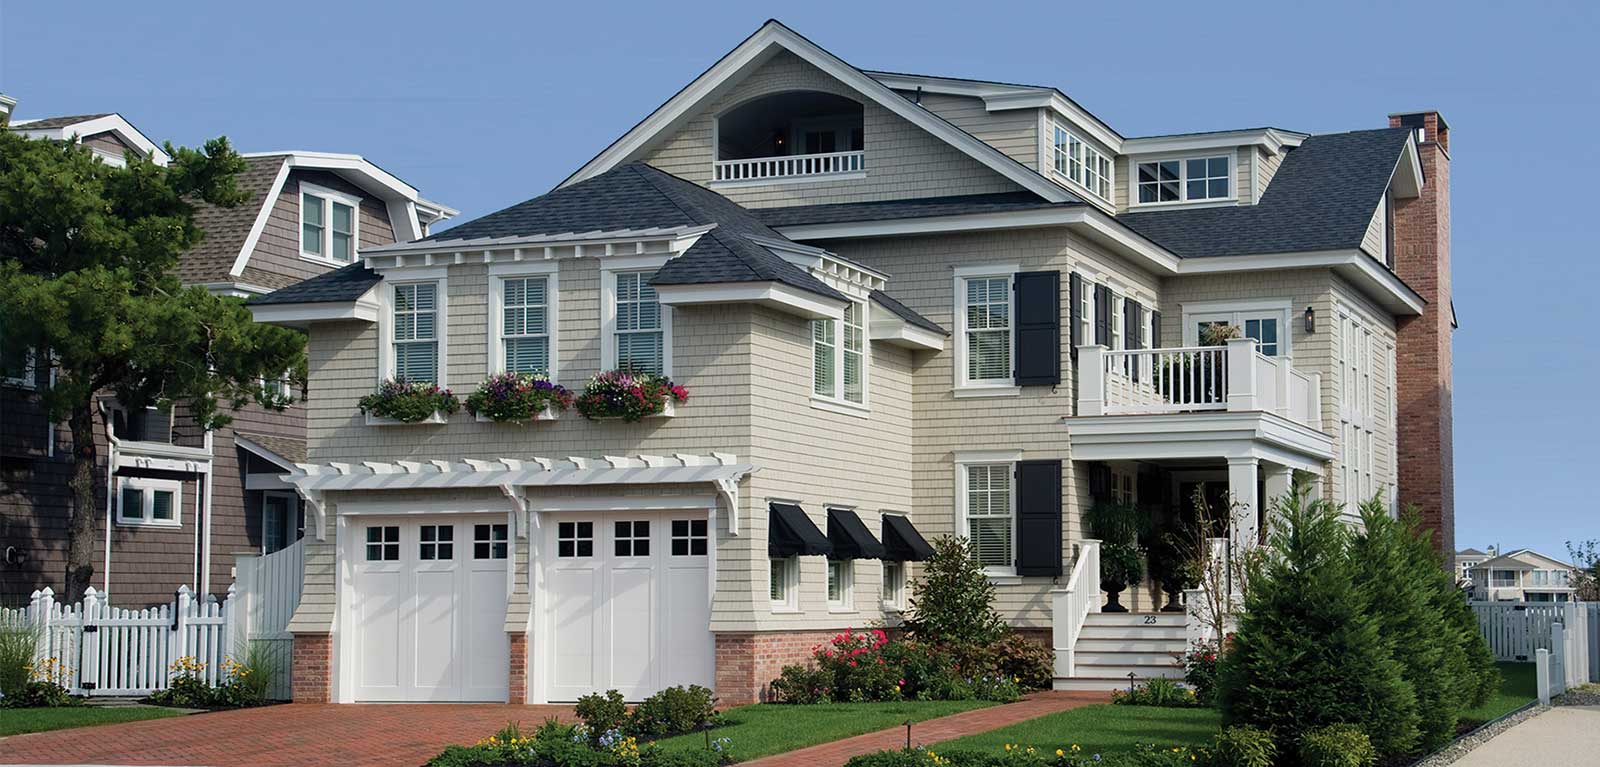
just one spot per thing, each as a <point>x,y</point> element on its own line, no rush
<point>1518,688</point>
<point>1101,729</point>
<point>765,729</point>
<point>16,721</point>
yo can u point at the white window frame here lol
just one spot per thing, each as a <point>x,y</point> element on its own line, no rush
<point>847,582</point>
<point>1232,177</point>
<point>147,488</point>
<point>835,401</point>
<point>963,386</point>
<point>498,274</point>
<point>386,356</point>
<point>609,269</point>
<point>1075,161</point>
<point>1235,313</point>
<point>279,386</point>
<point>965,460</point>
<point>30,373</point>
<point>292,524</point>
<point>1357,342</point>
<point>327,196</point>
<point>892,589</point>
<point>790,568</point>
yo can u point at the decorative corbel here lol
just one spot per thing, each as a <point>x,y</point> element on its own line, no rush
<point>728,490</point>
<point>319,513</point>
<point>520,505</point>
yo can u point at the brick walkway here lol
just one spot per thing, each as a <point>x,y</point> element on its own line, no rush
<point>297,735</point>
<point>933,731</point>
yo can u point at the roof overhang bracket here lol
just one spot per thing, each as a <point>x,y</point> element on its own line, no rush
<point>519,504</point>
<point>728,490</point>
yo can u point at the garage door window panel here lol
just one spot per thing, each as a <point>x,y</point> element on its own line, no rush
<point>631,538</point>
<point>436,542</point>
<point>689,538</point>
<point>575,540</point>
<point>489,541</point>
<point>383,543</point>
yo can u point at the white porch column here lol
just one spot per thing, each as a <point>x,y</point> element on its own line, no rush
<point>1091,379</point>
<point>1278,481</point>
<point>1242,374</point>
<point>1242,486</point>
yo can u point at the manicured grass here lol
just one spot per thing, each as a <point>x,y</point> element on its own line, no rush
<point>1102,729</point>
<point>765,729</point>
<point>16,721</point>
<point>1518,688</point>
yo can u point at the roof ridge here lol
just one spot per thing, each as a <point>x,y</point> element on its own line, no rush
<point>697,215</point>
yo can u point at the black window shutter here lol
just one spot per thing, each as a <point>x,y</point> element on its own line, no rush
<point>1155,330</point>
<point>1038,359</point>
<point>1039,518</point>
<point>1102,315</point>
<point>1075,312</point>
<point>1134,332</point>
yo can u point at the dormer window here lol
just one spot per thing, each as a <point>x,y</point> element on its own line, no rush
<point>328,224</point>
<point>795,134</point>
<point>1191,179</point>
<point>1082,164</point>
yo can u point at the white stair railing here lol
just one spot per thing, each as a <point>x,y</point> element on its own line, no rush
<point>1070,606</point>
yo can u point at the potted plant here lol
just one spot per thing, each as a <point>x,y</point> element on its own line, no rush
<point>518,398</point>
<point>400,401</point>
<point>1172,566</point>
<point>618,394</point>
<point>1120,566</point>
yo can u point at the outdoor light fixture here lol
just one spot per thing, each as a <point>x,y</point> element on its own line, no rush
<point>1311,320</point>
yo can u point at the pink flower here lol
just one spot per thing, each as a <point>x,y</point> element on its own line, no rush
<point>852,664</point>
<point>902,683</point>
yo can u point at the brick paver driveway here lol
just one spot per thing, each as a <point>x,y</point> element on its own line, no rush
<point>297,735</point>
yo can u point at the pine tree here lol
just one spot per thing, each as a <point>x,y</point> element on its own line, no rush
<point>1308,652</point>
<point>1468,662</point>
<point>1408,617</point>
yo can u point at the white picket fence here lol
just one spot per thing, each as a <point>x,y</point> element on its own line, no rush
<point>99,649</point>
<point>1561,638</point>
<point>268,592</point>
<point>1516,629</point>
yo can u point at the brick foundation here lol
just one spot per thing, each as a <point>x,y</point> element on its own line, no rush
<point>518,678</point>
<point>311,669</point>
<point>748,662</point>
<point>1424,378</point>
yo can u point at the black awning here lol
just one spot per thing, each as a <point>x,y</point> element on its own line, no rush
<point>902,542</point>
<point>790,533</point>
<point>850,538</point>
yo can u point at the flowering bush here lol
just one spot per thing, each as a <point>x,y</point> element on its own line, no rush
<point>44,687</point>
<point>244,683</point>
<point>1019,755</point>
<point>629,396</point>
<point>1200,669</point>
<point>408,401</point>
<point>558,745</point>
<point>517,397</point>
<point>863,666</point>
<point>1156,692</point>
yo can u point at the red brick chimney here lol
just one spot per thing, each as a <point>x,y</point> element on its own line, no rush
<point>1424,378</point>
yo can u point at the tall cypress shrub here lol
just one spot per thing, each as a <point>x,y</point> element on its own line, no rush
<point>1409,618</point>
<point>1468,662</point>
<point>1308,652</point>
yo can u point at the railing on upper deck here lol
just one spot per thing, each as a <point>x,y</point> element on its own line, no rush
<point>792,166</point>
<point>1191,379</point>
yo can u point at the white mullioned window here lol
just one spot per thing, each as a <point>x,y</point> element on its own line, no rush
<point>894,584</point>
<point>1356,348</point>
<point>1077,161</point>
<point>524,325</point>
<point>990,514</point>
<point>1190,179</point>
<point>416,332</point>
<point>154,502</point>
<point>1267,321</point>
<point>329,224</point>
<point>783,582</point>
<point>638,329</point>
<point>984,317</point>
<point>839,356</point>
<point>824,353</point>
<point>854,353</point>
<point>841,577</point>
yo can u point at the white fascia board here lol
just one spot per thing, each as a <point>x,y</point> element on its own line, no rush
<point>235,289</point>
<point>898,332</point>
<point>302,315</point>
<point>260,224</point>
<point>1168,436</point>
<point>264,454</point>
<point>775,294</point>
<point>1376,279</point>
<point>754,51</point>
<point>487,244</point>
<point>113,123</point>
<point>1271,139</point>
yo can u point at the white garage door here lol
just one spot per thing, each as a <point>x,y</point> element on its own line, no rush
<point>429,608</point>
<point>628,603</point>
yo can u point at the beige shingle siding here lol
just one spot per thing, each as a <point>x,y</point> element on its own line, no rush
<point>1266,167</point>
<point>1014,132</point>
<point>1374,240</point>
<point>903,160</point>
<point>318,603</point>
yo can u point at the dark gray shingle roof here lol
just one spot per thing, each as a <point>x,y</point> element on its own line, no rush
<point>1321,198</point>
<point>889,210</point>
<point>288,448</point>
<point>347,283</point>
<point>58,122</point>
<point>905,313</point>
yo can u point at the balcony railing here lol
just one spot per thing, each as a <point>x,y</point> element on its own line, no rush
<point>792,166</point>
<point>1234,377</point>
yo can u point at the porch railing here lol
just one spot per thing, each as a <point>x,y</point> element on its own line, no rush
<point>792,166</point>
<point>1070,606</point>
<point>1190,379</point>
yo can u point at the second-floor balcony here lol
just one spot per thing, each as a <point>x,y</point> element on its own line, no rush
<point>793,166</point>
<point>1235,377</point>
<point>792,135</point>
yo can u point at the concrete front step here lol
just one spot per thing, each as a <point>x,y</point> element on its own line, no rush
<point>1162,633</point>
<point>1094,683</point>
<point>1126,643</point>
<point>1094,658</point>
<point>1139,671</point>
<point>1142,620</point>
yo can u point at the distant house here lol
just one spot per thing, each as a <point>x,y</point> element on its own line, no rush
<point>177,502</point>
<point>1523,575</point>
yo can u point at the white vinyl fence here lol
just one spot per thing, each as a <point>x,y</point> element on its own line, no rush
<point>268,592</point>
<point>1562,638</point>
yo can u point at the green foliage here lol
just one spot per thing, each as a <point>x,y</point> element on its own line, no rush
<point>39,693</point>
<point>19,641</point>
<point>803,684</point>
<point>1242,746</point>
<point>1120,566</point>
<point>1156,692</point>
<point>1029,663</point>
<point>1200,670</point>
<point>673,711</point>
<point>517,397</point>
<point>1308,651</point>
<point>1116,523</point>
<point>601,713</point>
<point>409,401</point>
<point>558,745</point>
<point>1471,674</point>
<point>1000,689</point>
<point>1337,745</point>
<point>1012,755</point>
<point>952,600</point>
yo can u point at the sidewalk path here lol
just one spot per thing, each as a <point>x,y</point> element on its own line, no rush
<point>1562,735</point>
<point>944,728</point>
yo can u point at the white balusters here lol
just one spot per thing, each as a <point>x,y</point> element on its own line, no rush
<point>792,166</point>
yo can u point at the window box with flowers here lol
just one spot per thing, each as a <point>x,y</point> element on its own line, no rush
<point>619,395</point>
<point>399,402</point>
<point>518,398</point>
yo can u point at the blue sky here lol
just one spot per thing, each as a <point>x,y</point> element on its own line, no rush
<point>481,105</point>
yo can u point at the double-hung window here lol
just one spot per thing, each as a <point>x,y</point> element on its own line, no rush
<point>1185,180</point>
<point>1079,162</point>
<point>416,326</point>
<point>841,577</point>
<point>894,584</point>
<point>990,514</point>
<point>984,317</point>
<point>525,327</point>
<point>328,224</point>
<point>839,356</point>
<point>783,583</point>
<point>154,502</point>
<point>16,367</point>
<point>640,335</point>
